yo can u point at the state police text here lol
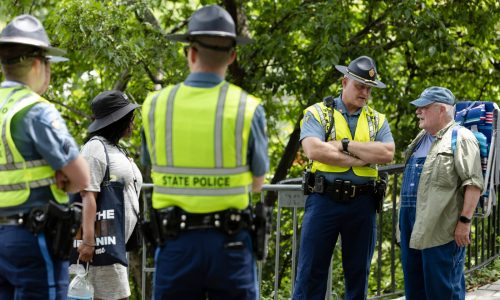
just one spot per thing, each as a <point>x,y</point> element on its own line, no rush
<point>196,181</point>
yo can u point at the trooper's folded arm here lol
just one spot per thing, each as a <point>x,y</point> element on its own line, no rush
<point>328,153</point>
<point>77,172</point>
<point>372,152</point>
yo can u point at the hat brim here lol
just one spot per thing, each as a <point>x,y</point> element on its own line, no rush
<point>374,83</point>
<point>421,102</point>
<point>54,54</point>
<point>55,59</point>
<point>35,43</point>
<point>111,118</point>
<point>187,38</point>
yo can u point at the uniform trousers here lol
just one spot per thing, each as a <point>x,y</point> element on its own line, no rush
<point>324,220</point>
<point>432,273</point>
<point>206,264</point>
<point>27,270</point>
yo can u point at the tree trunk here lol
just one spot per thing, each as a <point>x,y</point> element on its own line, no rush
<point>286,161</point>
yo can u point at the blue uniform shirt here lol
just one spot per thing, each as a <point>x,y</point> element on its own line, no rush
<point>257,143</point>
<point>312,128</point>
<point>39,132</point>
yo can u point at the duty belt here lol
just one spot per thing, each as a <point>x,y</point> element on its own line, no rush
<point>19,218</point>
<point>12,220</point>
<point>174,220</point>
<point>342,190</point>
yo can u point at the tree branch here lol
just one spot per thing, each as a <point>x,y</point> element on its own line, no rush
<point>123,80</point>
<point>152,76</point>
<point>285,162</point>
<point>354,40</point>
<point>72,109</point>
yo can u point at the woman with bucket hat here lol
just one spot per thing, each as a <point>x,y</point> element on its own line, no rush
<point>114,116</point>
<point>344,139</point>
<point>204,168</point>
<point>39,162</point>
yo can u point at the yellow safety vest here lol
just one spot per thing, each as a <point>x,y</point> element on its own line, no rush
<point>197,140</point>
<point>18,176</point>
<point>369,123</point>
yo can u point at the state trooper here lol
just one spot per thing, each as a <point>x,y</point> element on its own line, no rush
<point>207,144</point>
<point>345,139</point>
<point>39,163</point>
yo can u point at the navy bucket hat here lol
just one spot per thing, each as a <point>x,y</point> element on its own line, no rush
<point>109,107</point>
<point>434,94</point>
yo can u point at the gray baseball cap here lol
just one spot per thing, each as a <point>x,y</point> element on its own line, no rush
<point>434,94</point>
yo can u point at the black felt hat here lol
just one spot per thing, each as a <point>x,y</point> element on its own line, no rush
<point>28,30</point>
<point>362,69</point>
<point>210,20</point>
<point>109,107</point>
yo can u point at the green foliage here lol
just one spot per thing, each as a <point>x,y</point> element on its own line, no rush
<point>416,44</point>
<point>483,276</point>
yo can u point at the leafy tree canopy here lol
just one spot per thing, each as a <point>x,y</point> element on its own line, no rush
<point>416,44</point>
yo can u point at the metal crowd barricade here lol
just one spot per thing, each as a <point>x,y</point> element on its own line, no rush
<point>289,196</point>
<point>484,249</point>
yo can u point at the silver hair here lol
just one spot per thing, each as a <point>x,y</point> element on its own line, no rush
<point>449,109</point>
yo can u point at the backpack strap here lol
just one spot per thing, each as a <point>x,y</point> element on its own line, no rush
<point>454,134</point>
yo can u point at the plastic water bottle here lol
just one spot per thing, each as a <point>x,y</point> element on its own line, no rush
<point>80,288</point>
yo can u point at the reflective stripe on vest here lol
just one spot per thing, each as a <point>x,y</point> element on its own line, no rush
<point>369,122</point>
<point>18,176</point>
<point>197,139</point>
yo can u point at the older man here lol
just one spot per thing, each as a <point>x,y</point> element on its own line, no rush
<point>441,188</point>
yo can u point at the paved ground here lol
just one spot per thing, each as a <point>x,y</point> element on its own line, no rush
<point>487,292</point>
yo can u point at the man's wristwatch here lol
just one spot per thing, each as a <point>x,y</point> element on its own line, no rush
<point>464,219</point>
<point>345,144</point>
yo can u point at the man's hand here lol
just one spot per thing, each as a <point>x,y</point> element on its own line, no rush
<point>61,180</point>
<point>462,234</point>
<point>329,153</point>
<point>462,230</point>
<point>373,152</point>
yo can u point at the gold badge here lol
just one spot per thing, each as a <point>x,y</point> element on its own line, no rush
<point>371,72</point>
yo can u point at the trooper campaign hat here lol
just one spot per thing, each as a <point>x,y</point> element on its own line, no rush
<point>362,69</point>
<point>434,94</point>
<point>109,107</point>
<point>211,20</point>
<point>28,30</point>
